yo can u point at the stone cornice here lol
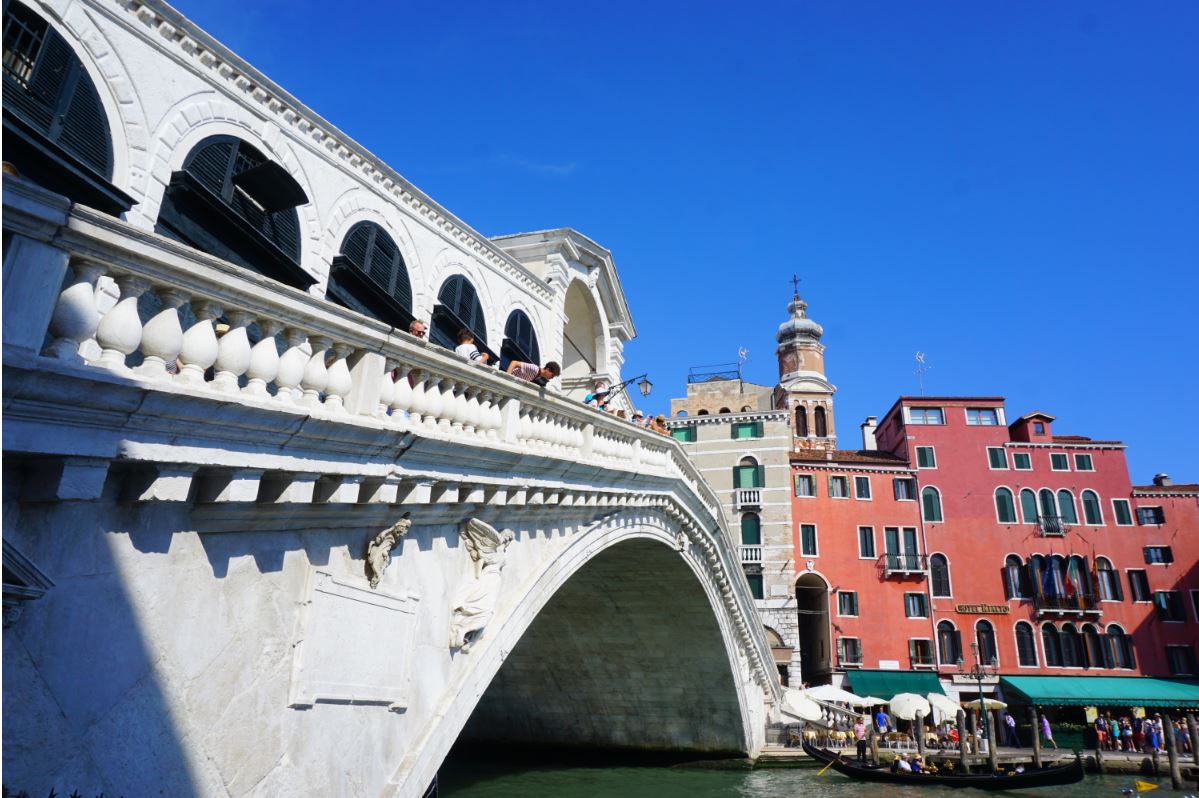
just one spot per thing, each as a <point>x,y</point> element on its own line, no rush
<point>727,418</point>
<point>1070,445</point>
<point>210,59</point>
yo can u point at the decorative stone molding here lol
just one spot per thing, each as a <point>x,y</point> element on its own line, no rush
<point>23,581</point>
<point>488,549</point>
<point>378,551</point>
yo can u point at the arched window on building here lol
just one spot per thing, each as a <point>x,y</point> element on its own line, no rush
<point>984,633</point>
<point>1121,647</point>
<point>1015,578</point>
<point>458,309</point>
<point>930,505</point>
<point>1051,644</point>
<point>1093,647</point>
<point>1026,646</point>
<point>369,276</point>
<point>1071,646</point>
<point>949,643</point>
<point>1079,576</point>
<point>938,566</point>
<point>1091,510</point>
<point>747,474</point>
<point>801,421</point>
<point>702,413</point>
<point>1048,503</point>
<point>751,530</point>
<point>1028,506</point>
<point>1053,579</point>
<point>520,340</point>
<point>1109,580</point>
<point>1065,502</point>
<point>231,201</point>
<point>1005,507</point>
<point>56,132</point>
<point>821,423</point>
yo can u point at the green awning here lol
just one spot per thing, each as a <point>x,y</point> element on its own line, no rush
<point>1090,691</point>
<point>886,684</point>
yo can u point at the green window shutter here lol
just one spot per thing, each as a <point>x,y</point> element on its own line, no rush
<point>759,430</point>
<point>1123,513</point>
<point>751,530</point>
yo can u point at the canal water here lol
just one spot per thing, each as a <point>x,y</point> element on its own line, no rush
<point>521,779</point>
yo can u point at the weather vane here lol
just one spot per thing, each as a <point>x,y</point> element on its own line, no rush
<point>921,367</point>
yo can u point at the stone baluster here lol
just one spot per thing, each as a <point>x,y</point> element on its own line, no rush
<point>232,352</point>
<point>291,366</point>
<point>316,373</point>
<point>401,397</point>
<point>485,418</point>
<point>416,412</point>
<point>496,424</point>
<point>457,407</point>
<point>264,359</point>
<point>445,418</point>
<point>120,331</point>
<point>75,316</point>
<point>199,348</point>
<point>162,337</point>
<point>339,383</point>
<point>524,431</point>
<point>434,402</point>
<point>472,424</point>
<point>387,387</point>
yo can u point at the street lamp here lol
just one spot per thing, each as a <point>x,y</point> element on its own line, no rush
<point>978,672</point>
<point>643,385</point>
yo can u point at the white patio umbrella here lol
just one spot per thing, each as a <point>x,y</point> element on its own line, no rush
<point>798,705</point>
<point>826,692</point>
<point>992,703</point>
<point>872,701</point>
<point>943,704</point>
<point>906,705</point>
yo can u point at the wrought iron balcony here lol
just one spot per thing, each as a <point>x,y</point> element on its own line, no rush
<point>747,499</point>
<point>1051,526</point>
<point>904,564</point>
<point>1080,604</point>
<point>751,554</point>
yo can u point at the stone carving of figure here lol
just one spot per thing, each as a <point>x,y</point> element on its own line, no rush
<point>378,551</point>
<point>475,606</point>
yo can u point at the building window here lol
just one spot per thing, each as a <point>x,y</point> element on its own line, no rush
<point>984,633</point>
<point>1150,516</point>
<point>930,504</point>
<point>926,457</point>
<point>1108,579</point>
<point>997,458</point>
<point>902,549</point>
<point>1121,647</point>
<point>920,651</point>
<point>838,487</point>
<point>861,487</point>
<point>1065,502</point>
<point>905,489</point>
<point>747,474</point>
<point>1051,644</point>
<point>1015,578</point>
<point>1022,461</point>
<point>1028,506</point>
<point>369,276</point>
<point>847,603</point>
<point>801,422</point>
<point>747,429</point>
<point>1038,427</point>
<point>755,586</point>
<point>938,566</point>
<point>1169,606</point>
<point>1091,510</point>
<point>458,309</point>
<point>926,415</point>
<point>805,485</point>
<point>1059,462</point>
<point>1005,506</point>
<point>1026,647</point>
<point>821,422</point>
<point>1071,647</point>
<point>751,530</point>
<point>1181,659</point>
<point>1096,653</point>
<point>866,543</point>
<point>1048,504</point>
<point>982,416</point>
<point>683,434</point>
<point>1123,512</point>
<point>520,340</point>
<point>1138,585</point>
<point>915,605</point>
<point>1083,462</point>
<point>807,540</point>
<point>1159,555</point>
<point>849,652</point>
<point>949,643</point>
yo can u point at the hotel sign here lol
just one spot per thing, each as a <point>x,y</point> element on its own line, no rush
<point>982,609</point>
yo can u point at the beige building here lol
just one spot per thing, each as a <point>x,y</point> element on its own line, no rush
<point>741,437</point>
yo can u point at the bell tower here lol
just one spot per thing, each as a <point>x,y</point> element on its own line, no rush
<point>803,388</point>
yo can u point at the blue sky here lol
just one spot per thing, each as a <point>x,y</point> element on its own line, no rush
<point>1012,188</point>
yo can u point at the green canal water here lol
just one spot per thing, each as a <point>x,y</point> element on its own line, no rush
<point>494,779</point>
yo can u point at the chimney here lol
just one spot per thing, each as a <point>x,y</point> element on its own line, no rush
<point>1162,480</point>
<point>868,428</point>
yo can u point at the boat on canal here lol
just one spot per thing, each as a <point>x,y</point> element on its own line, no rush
<point>1031,777</point>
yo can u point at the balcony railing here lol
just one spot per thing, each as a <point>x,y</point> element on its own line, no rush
<point>747,499</point>
<point>1055,605</point>
<point>1051,526</point>
<point>751,554</point>
<point>904,564</point>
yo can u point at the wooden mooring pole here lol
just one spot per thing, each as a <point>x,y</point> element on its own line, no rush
<point>918,732</point>
<point>962,741</point>
<point>1172,751</point>
<point>1036,736</point>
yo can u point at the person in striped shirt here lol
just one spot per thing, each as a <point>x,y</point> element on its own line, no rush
<point>533,373</point>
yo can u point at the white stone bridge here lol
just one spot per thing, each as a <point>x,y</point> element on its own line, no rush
<point>197,617</point>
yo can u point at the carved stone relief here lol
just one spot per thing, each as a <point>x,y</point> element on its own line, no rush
<point>476,603</point>
<point>378,551</point>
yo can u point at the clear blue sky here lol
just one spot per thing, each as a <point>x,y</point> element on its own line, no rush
<point>1010,187</point>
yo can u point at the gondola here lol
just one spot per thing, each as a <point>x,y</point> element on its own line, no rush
<point>1043,777</point>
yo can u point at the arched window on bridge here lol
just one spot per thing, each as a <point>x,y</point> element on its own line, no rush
<point>459,309</point>
<point>747,474</point>
<point>369,276</point>
<point>520,340</point>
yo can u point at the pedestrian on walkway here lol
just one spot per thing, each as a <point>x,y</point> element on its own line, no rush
<point>859,735</point>
<point>1013,739</point>
<point>1046,731</point>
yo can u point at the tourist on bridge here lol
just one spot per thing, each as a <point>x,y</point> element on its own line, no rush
<point>533,373</point>
<point>466,348</point>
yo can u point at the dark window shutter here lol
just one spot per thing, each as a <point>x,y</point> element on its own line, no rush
<point>84,126</point>
<point>209,164</point>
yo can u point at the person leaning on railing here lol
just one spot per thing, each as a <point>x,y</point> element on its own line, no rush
<point>539,375</point>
